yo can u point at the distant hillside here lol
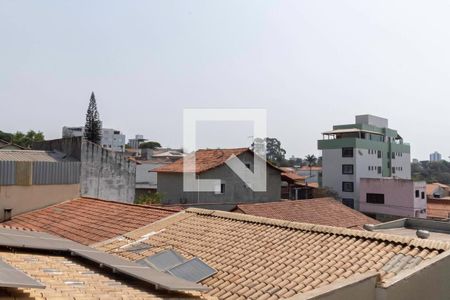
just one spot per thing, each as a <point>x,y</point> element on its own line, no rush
<point>431,171</point>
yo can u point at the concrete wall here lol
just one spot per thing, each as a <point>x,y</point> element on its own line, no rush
<point>106,174</point>
<point>69,146</point>
<point>399,197</point>
<point>145,178</point>
<point>236,191</point>
<point>27,198</point>
<point>372,120</point>
<point>361,286</point>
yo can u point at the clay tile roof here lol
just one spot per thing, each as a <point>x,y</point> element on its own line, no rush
<point>87,220</point>
<point>431,187</point>
<point>67,277</point>
<point>291,176</point>
<point>261,258</point>
<point>313,168</point>
<point>205,159</point>
<point>438,208</point>
<point>323,211</point>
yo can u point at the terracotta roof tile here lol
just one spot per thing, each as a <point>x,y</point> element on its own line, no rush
<point>323,211</point>
<point>431,187</point>
<point>87,220</point>
<point>313,168</point>
<point>261,258</point>
<point>205,159</point>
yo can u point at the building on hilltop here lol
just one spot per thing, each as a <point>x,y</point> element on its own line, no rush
<point>436,156</point>
<point>365,149</point>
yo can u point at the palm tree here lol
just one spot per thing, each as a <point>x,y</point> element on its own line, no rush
<point>312,160</point>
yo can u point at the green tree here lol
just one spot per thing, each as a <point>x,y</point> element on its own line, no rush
<point>22,139</point>
<point>149,198</point>
<point>150,145</point>
<point>311,159</point>
<point>272,147</point>
<point>6,136</point>
<point>93,126</point>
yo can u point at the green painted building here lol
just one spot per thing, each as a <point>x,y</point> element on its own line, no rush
<point>366,149</point>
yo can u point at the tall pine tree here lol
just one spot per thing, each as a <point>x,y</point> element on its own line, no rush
<point>93,126</point>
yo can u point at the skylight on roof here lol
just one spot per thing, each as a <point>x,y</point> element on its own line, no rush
<point>170,261</point>
<point>193,270</point>
<point>164,260</point>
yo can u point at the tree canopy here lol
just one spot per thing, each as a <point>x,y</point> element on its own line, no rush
<point>272,148</point>
<point>435,171</point>
<point>150,145</point>
<point>93,126</point>
<point>22,139</point>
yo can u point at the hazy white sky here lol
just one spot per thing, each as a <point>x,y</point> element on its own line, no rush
<point>311,64</point>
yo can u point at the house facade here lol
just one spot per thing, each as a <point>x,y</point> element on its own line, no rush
<point>393,197</point>
<point>232,190</point>
<point>365,149</point>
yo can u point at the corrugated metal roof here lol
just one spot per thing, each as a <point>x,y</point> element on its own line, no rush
<point>33,155</point>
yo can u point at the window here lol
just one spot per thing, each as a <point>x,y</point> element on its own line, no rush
<point>347,169</point>
<point>393,155</point>
<point>348,202</point>
<point>423,195</point>
<point>347,186</point>
<point>347,152</point>
<point>417,193</point>
<point>220,189</point>
<point>375,198</point>
<point>393,170</point>
<point>379,170</point>
<point>379,154</point>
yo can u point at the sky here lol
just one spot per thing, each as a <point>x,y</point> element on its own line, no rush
<point>310,64</point>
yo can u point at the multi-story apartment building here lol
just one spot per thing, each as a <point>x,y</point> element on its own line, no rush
<point>134,143</point>
<point>436,156</point>
<point>112,139</point>
<point>366,149</point>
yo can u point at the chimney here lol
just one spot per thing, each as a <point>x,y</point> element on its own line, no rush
<point>7,212</point>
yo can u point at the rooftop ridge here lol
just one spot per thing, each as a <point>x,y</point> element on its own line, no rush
<point>125,203</point>
<point>282,200</point>
<point>437,245</point>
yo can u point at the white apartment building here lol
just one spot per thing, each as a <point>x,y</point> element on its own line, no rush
<point>365,149</point>
<point>112,139</point>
